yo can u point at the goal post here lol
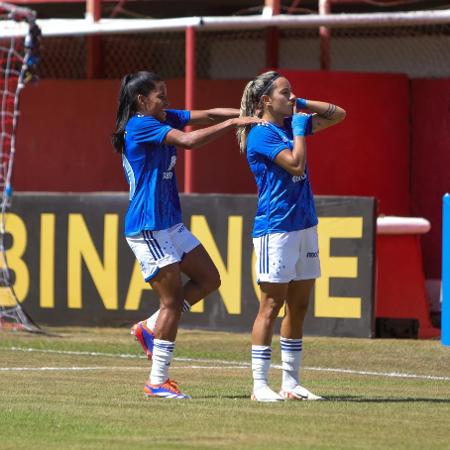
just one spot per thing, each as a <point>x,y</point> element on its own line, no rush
<point>86,27</point>
<point>18,63</point>
<point>445,313</point>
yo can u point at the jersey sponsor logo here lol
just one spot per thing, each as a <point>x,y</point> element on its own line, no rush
<point>312,254</point>
<point>181,229</point>
<point>298,178</point>
<point>168,174</point>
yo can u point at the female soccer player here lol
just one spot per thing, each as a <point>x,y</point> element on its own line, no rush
<point>146,135</point>
<point>285,228</point>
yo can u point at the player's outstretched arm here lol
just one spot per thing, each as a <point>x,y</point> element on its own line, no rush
<point>197,138</point>
<point>325,114</point>
<point>212,116</point>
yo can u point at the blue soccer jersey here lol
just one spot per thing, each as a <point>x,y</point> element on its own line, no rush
<point>150,171</point>
<point>285,202</point>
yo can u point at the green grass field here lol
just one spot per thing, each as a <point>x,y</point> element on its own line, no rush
<point>83,390</point>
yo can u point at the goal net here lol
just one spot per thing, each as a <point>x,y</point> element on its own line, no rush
<point>18,62</point>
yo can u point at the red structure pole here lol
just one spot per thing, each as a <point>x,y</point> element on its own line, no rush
<point>94,43</point>
<point>93,10</point>
<point>190,76</point>
<point>325,37</point>
<point>272,35</point>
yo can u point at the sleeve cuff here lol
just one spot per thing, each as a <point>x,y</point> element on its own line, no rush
<point>187,118</point>
<point>276,151</point>
<point>309,128</point>
<point>163,134</point>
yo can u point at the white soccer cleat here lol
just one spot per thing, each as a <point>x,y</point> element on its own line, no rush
<point>265,394</point>
<point>299,393</point>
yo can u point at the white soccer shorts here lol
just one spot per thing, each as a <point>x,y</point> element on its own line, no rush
<point>157,249</point>
<point>285,257</point>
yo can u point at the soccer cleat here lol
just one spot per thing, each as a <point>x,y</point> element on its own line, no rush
<point>169,389</point>
<point>265,394</point>
<point>145,336</point>
<point>299,393</point>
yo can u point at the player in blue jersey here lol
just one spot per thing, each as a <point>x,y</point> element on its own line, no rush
<point>147,134</point>
<point>285,228</point>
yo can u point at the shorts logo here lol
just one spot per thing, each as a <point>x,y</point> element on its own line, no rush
<point>312,254</point>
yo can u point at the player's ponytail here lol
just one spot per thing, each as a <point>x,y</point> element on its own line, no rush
<point>132,85</point>
<point>247,110</point>
<point>251,102</point>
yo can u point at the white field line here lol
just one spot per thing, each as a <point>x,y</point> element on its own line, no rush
<point>226,365</point>
<point>75,368</point>
<point>62,369</point>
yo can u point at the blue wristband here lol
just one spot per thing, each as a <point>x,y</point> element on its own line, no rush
<point>300,124</point>
<point>301,103</point>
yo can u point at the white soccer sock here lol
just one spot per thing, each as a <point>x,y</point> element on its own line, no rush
<point>151,321</point>
<point>261,357</point>
<point>291,356</point>
<point>162,357</point>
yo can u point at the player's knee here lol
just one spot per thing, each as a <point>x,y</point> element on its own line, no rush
<point>271,310</point>
<point>217,281</point>
<point>212,283</point>
<point>298,309</point>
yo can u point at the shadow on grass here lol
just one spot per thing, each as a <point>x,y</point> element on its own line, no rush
<point>224,397</point>
<point>336,398</point>
<point>361,399</point>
